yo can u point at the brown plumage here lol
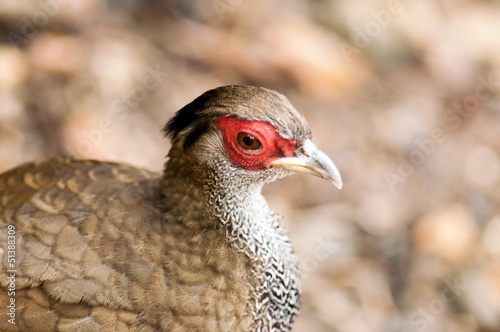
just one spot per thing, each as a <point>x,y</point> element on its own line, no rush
<point>109,247</point>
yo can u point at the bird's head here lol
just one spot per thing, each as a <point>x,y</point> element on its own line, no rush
<point>252,134</point>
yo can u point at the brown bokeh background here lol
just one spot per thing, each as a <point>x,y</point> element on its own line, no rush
<point>403,95</point>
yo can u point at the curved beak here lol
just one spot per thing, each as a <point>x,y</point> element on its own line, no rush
<point>312,161</point>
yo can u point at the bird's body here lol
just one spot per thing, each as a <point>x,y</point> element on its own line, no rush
<point>108,247</point>
<point>118,267</point>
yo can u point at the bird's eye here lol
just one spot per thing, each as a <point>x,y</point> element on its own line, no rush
<point>248,142</point>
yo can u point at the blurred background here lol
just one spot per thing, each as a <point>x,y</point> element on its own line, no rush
<point>403,95</point>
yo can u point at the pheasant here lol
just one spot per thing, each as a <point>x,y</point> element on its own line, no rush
<point>99,246</point>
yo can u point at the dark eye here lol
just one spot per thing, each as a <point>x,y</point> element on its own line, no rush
<point>248,142</point>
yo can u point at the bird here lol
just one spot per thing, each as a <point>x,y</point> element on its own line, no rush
<point>90,245</point>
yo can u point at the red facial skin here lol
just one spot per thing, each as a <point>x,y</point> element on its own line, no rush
<point>273,145</point>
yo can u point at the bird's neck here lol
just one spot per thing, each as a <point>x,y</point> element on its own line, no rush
<point>245,219</point>
<point>210,198</point>
<point>183,196</point>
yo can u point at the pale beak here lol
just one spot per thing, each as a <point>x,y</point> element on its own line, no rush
<point>312,161</point>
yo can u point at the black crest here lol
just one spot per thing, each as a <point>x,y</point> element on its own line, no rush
<point>190,116</point>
